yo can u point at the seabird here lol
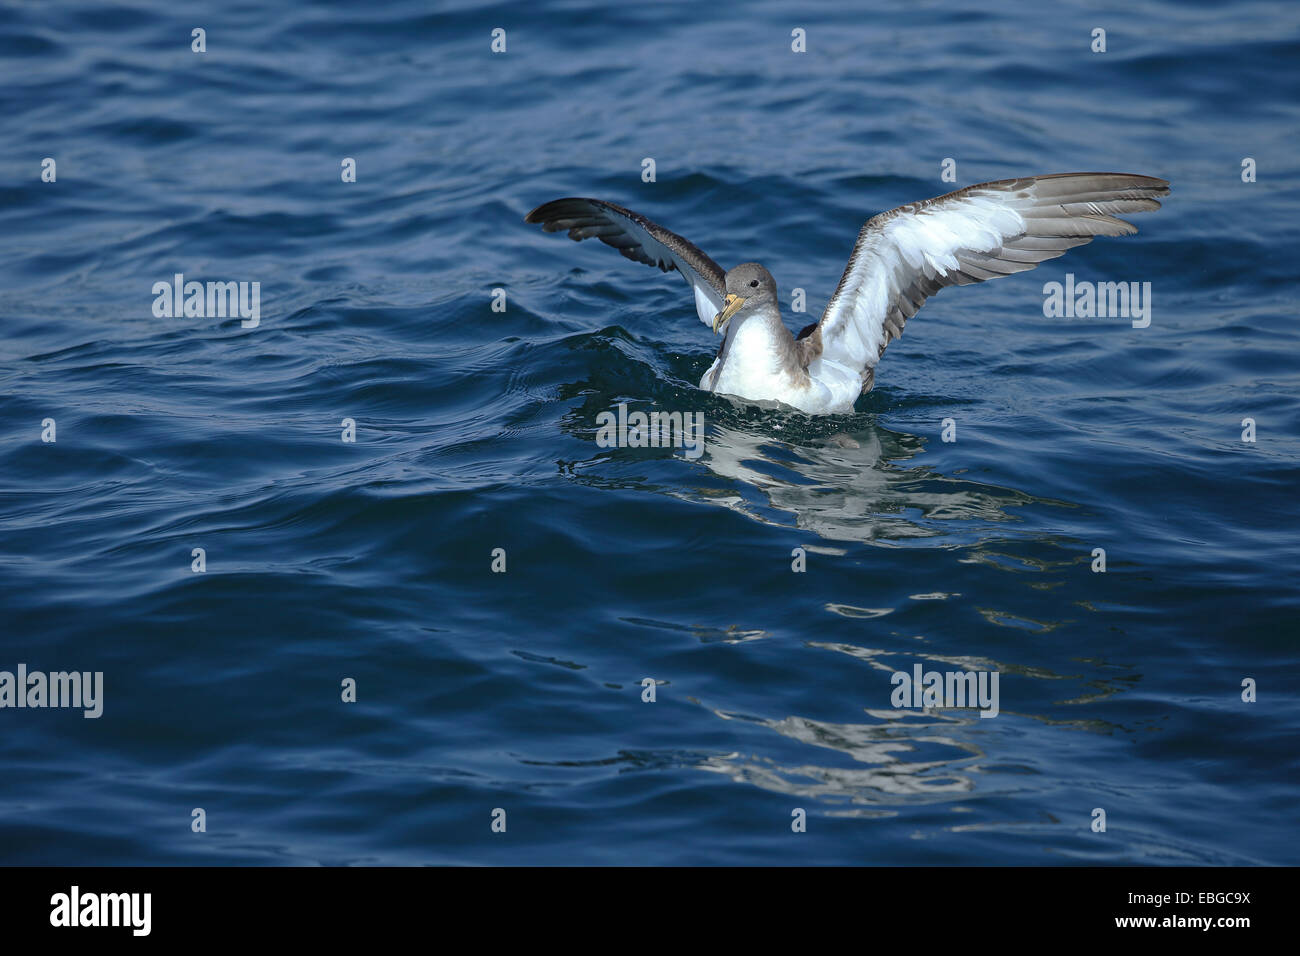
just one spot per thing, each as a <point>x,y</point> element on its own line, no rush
<point>901,258</point>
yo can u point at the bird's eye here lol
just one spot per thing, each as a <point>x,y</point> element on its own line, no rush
<point>754,284</point>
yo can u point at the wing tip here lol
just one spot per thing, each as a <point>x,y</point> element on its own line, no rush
<point>1155,184</point>
<point>549,210</point>
<point>536,214</point>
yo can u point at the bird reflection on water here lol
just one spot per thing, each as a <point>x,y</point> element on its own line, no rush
<point>852,481</point>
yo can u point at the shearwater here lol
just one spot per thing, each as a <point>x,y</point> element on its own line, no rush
<point>901,258</point>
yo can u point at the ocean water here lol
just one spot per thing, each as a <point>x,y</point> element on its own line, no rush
<point>476,429</point>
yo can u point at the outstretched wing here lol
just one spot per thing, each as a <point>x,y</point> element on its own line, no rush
<point>640,240</point>
<point>986,231</point>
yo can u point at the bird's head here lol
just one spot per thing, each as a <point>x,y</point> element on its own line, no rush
<point>749,287</point>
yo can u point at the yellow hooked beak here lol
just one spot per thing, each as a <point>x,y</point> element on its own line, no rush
<point>731,305</point>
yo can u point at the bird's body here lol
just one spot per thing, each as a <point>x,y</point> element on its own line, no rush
<point>757,359</point>
<point>901,257</point>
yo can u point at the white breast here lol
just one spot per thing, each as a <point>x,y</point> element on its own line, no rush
<point>751,366</point>
<point>754,368</point>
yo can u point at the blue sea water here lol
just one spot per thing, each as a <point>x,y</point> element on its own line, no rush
<point>476,430</point>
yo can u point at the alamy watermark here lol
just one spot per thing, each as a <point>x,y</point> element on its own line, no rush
<point>1102,300</point>
<point>683,430</point>
<point>75,908</point>
<point>56,689</point>
<point>949,689</point>
<point>210,300</point>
